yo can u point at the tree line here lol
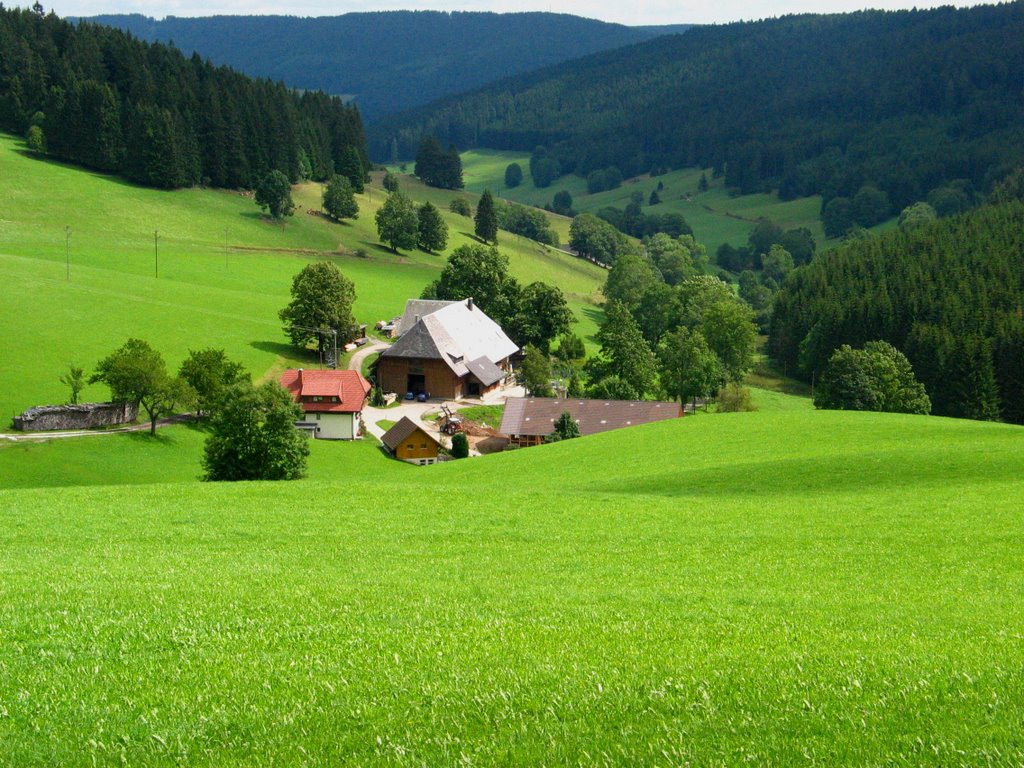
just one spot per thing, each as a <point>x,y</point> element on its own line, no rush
<point>877,108</point>
<point>97,97</point>
<point>948,294</point>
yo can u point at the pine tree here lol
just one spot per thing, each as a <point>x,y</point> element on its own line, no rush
<point>486,219</point>
<point>352,168</point>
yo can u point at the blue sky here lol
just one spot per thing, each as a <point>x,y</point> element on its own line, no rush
<point>633,13</point>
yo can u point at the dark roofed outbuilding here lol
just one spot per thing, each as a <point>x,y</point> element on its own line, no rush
<point>410,442</point>
<point>528,420</point>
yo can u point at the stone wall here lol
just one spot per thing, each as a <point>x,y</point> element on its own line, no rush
<point>81,416</point>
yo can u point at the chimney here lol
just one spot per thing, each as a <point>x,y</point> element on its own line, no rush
<point>469,303</point>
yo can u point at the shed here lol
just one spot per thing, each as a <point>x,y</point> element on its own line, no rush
<point>408,441</point>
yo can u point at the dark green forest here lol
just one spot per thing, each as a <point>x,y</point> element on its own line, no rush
<point>387,61</point>
<point>904,102</point>
<point>98,97</point>
<point>949,294</point>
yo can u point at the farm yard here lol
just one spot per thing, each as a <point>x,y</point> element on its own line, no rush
<point>205,294</point>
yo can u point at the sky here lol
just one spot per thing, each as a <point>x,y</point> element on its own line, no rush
<point>632,13</point>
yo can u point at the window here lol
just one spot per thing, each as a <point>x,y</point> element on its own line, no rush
<point>409,446</point>
<point>423,445</point>
<point>318,417</point>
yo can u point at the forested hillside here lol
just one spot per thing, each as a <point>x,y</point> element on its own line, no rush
<point>949,294</point>
<point>903,101</point>
<point>388,61</point>
<point>98,97</point>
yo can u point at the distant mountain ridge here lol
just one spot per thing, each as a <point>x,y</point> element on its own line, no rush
<point>388,61</point>
<point>905,101</point>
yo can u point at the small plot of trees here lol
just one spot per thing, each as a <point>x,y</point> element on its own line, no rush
<point>876,378</point>
<point>597,240</point>
<point>513,175</point>
<point>274,194</point>
<point>461,206</point>
<point>527,222</point>
<point>339,200</point>
<point>561,203</point>
<point>253,436</point>
<point>390,182</point>
<point>321,307</point>
<point>137,373</point>
<point>536,314</point>
<point>633,221</point>
<point>544,168</point>
<point>437,167</point>
<point>398,224</point>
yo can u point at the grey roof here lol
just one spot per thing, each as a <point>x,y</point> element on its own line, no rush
<point>401,431</point>
<point>486,372</point>
<point>415,309</point>
<point>536,416</point>
<point>456,333</point>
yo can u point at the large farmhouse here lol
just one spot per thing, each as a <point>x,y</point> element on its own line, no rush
<point>447,349</point>
<point>332,401</point>
<point>528,420</point>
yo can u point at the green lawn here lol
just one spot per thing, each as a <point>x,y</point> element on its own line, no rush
<point>173,456</point>
<point>771,588</point>
<point>190,292</point>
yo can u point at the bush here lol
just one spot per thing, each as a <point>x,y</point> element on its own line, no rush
<point>460,445</point>
<point>734,398</point>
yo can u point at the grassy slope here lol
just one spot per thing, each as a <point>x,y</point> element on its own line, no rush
<point>202,297</point>
<point>716,217</point>
<point>770,588</point>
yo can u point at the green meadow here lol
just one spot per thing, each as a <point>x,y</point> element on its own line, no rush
<point>767,588</point>
<point>193,268</point>
<point>716,216</point>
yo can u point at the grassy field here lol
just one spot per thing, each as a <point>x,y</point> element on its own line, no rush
<point>173,456</point>
<point>189,291</point>
<point>716,216</point>
<point>770,588</point>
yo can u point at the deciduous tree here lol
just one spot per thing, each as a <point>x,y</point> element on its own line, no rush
<point>274,194</point>
<point>398,225</point>
<point>339,199</point>
<point>432,229</point>
<point>321,302</point>
<point>137,373</point>
<point>253,436</point>
<point>209,372</point>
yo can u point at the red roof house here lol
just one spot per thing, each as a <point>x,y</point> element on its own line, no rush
<point>332,401</point>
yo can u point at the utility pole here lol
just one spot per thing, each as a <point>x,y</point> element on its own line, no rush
<point>67,252</point>
<point>156,253</point>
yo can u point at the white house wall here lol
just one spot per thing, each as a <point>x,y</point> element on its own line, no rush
<point>335,426</point>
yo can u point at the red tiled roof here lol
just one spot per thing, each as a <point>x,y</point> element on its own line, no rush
<point>349,387</point>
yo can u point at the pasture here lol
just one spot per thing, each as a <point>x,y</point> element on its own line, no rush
<point>215,273</point>
<point>837,588</point>
<point>716,216</point>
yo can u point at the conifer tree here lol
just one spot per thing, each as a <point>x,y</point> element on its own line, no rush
<point>486,218</point>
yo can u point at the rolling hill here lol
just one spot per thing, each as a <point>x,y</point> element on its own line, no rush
<point>904,101</point>
<point>387,61</point>
<point>216,276</point>
<point>841,587</point>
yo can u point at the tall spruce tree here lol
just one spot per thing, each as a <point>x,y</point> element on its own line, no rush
<point>433,231</point>
<point>485,222</point>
